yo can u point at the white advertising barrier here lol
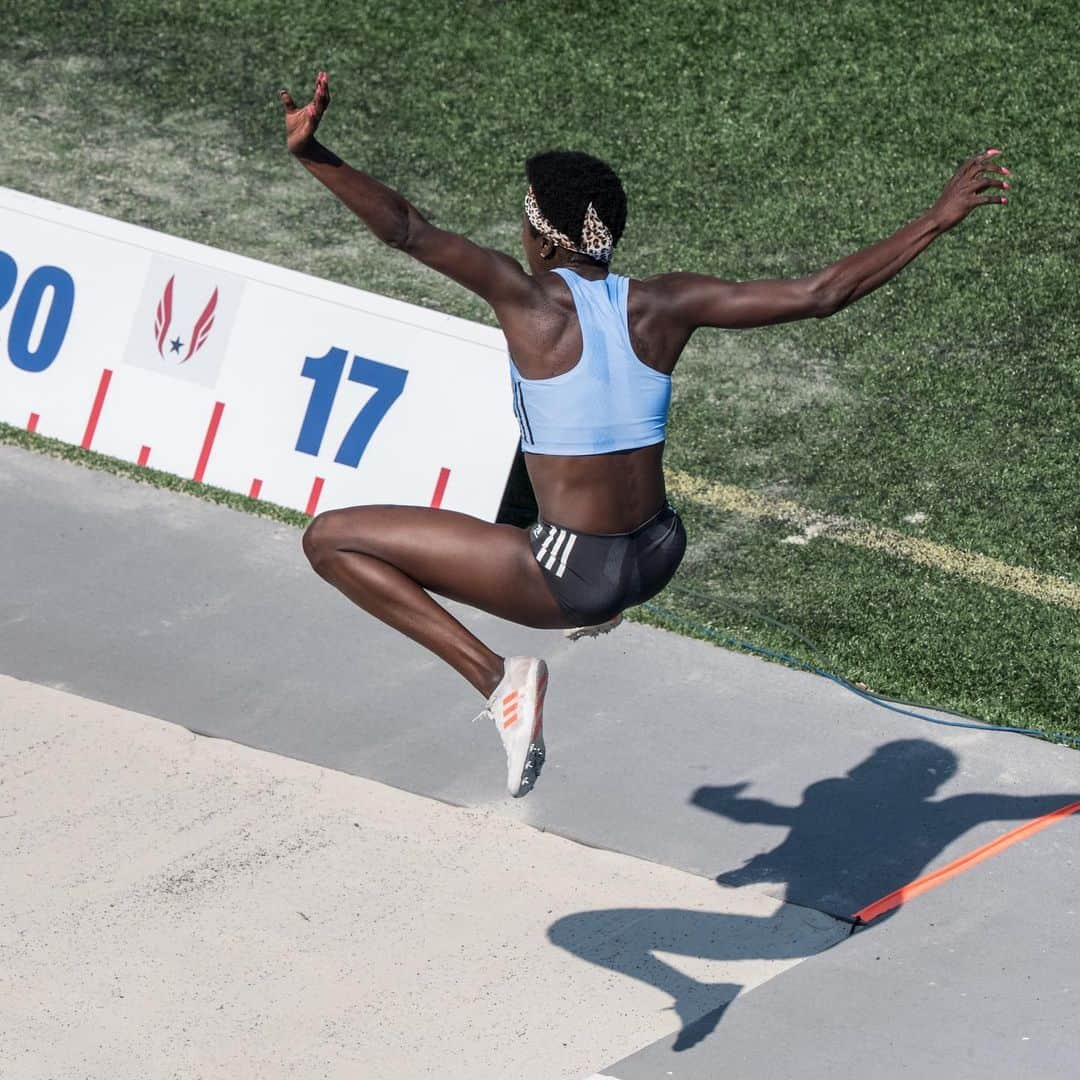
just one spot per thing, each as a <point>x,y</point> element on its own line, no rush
<point>240,374</point>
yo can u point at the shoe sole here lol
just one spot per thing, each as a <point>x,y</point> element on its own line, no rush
<point>537,752</point>
<point>578,632</point>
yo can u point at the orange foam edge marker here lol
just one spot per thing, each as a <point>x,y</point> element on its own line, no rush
<point>958,866</point>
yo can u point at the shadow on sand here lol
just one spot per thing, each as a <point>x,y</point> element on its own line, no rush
<point>851,840</point>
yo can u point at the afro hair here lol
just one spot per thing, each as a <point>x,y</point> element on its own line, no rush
<point>566,181</point>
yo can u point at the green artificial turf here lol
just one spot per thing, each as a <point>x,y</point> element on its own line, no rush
<point>754,140</point>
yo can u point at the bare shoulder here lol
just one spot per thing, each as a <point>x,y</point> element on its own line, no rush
<point>690,300</point>
<point>664,296</point>
<point>659,330</point>
<point>495,276</point>
<point>672,287</point>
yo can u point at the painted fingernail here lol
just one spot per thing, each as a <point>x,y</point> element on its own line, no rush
<point>1006,184</point>
<point>993,151</point>
<point>1003,199</point>
<point>1008,171</point>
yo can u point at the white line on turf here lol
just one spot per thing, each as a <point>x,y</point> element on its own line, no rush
<point>983,569</point>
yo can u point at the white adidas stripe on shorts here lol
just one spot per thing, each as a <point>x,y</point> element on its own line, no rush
<point>556,548</point>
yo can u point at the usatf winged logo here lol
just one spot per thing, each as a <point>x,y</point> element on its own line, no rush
<point>199,332</point>
<point>192,308</point>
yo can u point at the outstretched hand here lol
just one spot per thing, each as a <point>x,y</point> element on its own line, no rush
<point>965,190</point>
<point>300,123</point>
<point>711,796</point>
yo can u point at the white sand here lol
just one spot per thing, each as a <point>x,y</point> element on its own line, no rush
<point>177,906</point>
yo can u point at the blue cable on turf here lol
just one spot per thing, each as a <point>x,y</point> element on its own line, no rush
<point>1052,736</point>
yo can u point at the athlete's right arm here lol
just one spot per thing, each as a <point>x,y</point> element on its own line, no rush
<point>392,218</point>
<point>694,300</point>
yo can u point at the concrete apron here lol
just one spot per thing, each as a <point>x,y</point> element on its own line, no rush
<point>178,906</point>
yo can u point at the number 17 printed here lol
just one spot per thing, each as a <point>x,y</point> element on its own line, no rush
<point>326,372</point>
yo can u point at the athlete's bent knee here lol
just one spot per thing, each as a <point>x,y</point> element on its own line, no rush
<point>321,538</point>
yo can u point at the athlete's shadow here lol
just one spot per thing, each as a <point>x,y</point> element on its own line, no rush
<point>851,840</point>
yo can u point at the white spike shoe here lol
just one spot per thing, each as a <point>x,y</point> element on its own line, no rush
<point>517,707</point>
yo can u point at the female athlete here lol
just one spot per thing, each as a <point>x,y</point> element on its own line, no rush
<point>591,357</point>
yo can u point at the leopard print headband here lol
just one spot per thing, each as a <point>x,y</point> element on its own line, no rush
<point>596,239</point>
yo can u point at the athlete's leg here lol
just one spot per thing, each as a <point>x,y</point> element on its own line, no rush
<point>383,558</point>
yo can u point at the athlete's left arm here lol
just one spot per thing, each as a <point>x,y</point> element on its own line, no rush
<point>491,274</point>
<point>727,799</point>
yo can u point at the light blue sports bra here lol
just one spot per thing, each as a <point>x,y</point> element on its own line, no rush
<point>609,400</point>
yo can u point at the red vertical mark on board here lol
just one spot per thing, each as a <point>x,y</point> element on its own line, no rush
<point>144,455</point>
<point>31,424</point>
<point>256,487</point>
<point>95,412</point>
<point>208,442</point>
<point>440,488</point>
<point>313,498</point>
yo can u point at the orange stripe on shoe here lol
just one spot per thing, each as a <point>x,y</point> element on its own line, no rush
<point>958,866</point>
<point>510,720</point>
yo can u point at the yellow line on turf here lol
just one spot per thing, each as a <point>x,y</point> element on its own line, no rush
<point>967,564</point>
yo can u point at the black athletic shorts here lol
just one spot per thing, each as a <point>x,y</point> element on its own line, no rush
<point>594,576</point>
